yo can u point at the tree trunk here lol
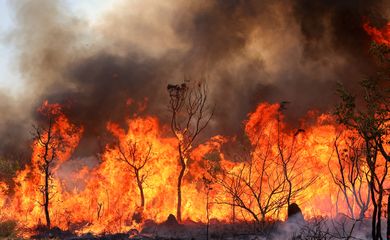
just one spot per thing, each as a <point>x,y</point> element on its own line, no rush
<point>289,193</point>
<point>379,213</point>
<point>46,197</point>
<point>388,216</point>
<point>262,217</point>
<point>207,216</point>
<point>141,190</point>
<point>233,211</point>
<point>375,210</point>
<point>179,181</point>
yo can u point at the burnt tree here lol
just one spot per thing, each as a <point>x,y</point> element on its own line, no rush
<point>190,115</point>
<point>256,185</point>
<point>288,153</point>
<point>136,158</point>
<point>351,175</point>
<point>50,142</point>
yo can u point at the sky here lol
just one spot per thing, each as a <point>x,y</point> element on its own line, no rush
<point>11,81</point>
<point>9,78</point>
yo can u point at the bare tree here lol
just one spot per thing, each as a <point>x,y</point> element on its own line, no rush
<point>230,183</point>
<point>136,158</point>
<point>351,176</point>
<point>256,183</point>
<point>260,180</point>
<point>190,116</point>
<point>50,142</point>
<point>388,213</point>
<point>289,159</point>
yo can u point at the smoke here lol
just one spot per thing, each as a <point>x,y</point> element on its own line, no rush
<point>249,51</point>
<point>13,133</point>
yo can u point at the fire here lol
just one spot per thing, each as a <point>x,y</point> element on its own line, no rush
<point>26,203</point>
<point>380,36</point>
<point>110,198</point>
<point>136,177</point>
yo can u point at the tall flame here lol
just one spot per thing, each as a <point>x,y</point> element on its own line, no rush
<point>26,203</point>
<point>106,197</point>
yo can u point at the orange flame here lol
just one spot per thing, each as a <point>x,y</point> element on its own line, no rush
<point>107,198</point>
<point>25,205</point>
<point>380,36</point>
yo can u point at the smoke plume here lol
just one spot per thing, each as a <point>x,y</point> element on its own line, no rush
<point>248,52</point>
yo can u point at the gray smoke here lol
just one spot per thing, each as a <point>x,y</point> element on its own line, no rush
<point>249,51</point>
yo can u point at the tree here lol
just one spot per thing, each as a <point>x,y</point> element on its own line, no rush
<point>190,116</point>
<point>136,158</point>
<point>225,174</point>
<point>371,120</point>
<point>50,143</point>
<point>289,158</point>
<point>264,173</point>
<point>255,181</point>
<point>352,174</point>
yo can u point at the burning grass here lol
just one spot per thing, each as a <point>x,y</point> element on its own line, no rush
<point>247,184</point>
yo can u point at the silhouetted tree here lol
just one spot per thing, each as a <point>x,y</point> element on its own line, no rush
<point>136,158</point>
<point>371,120</point>
<point>190,116</point>
<point>289,159</point>
<point>50,143</point>
<point>256,183</point>
<point>351,175</point>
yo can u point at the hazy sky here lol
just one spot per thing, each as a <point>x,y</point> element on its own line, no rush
<point>10,80</point>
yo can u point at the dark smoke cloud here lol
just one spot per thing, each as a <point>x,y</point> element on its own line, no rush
<point>249,51</point>
<point>13,141</point>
